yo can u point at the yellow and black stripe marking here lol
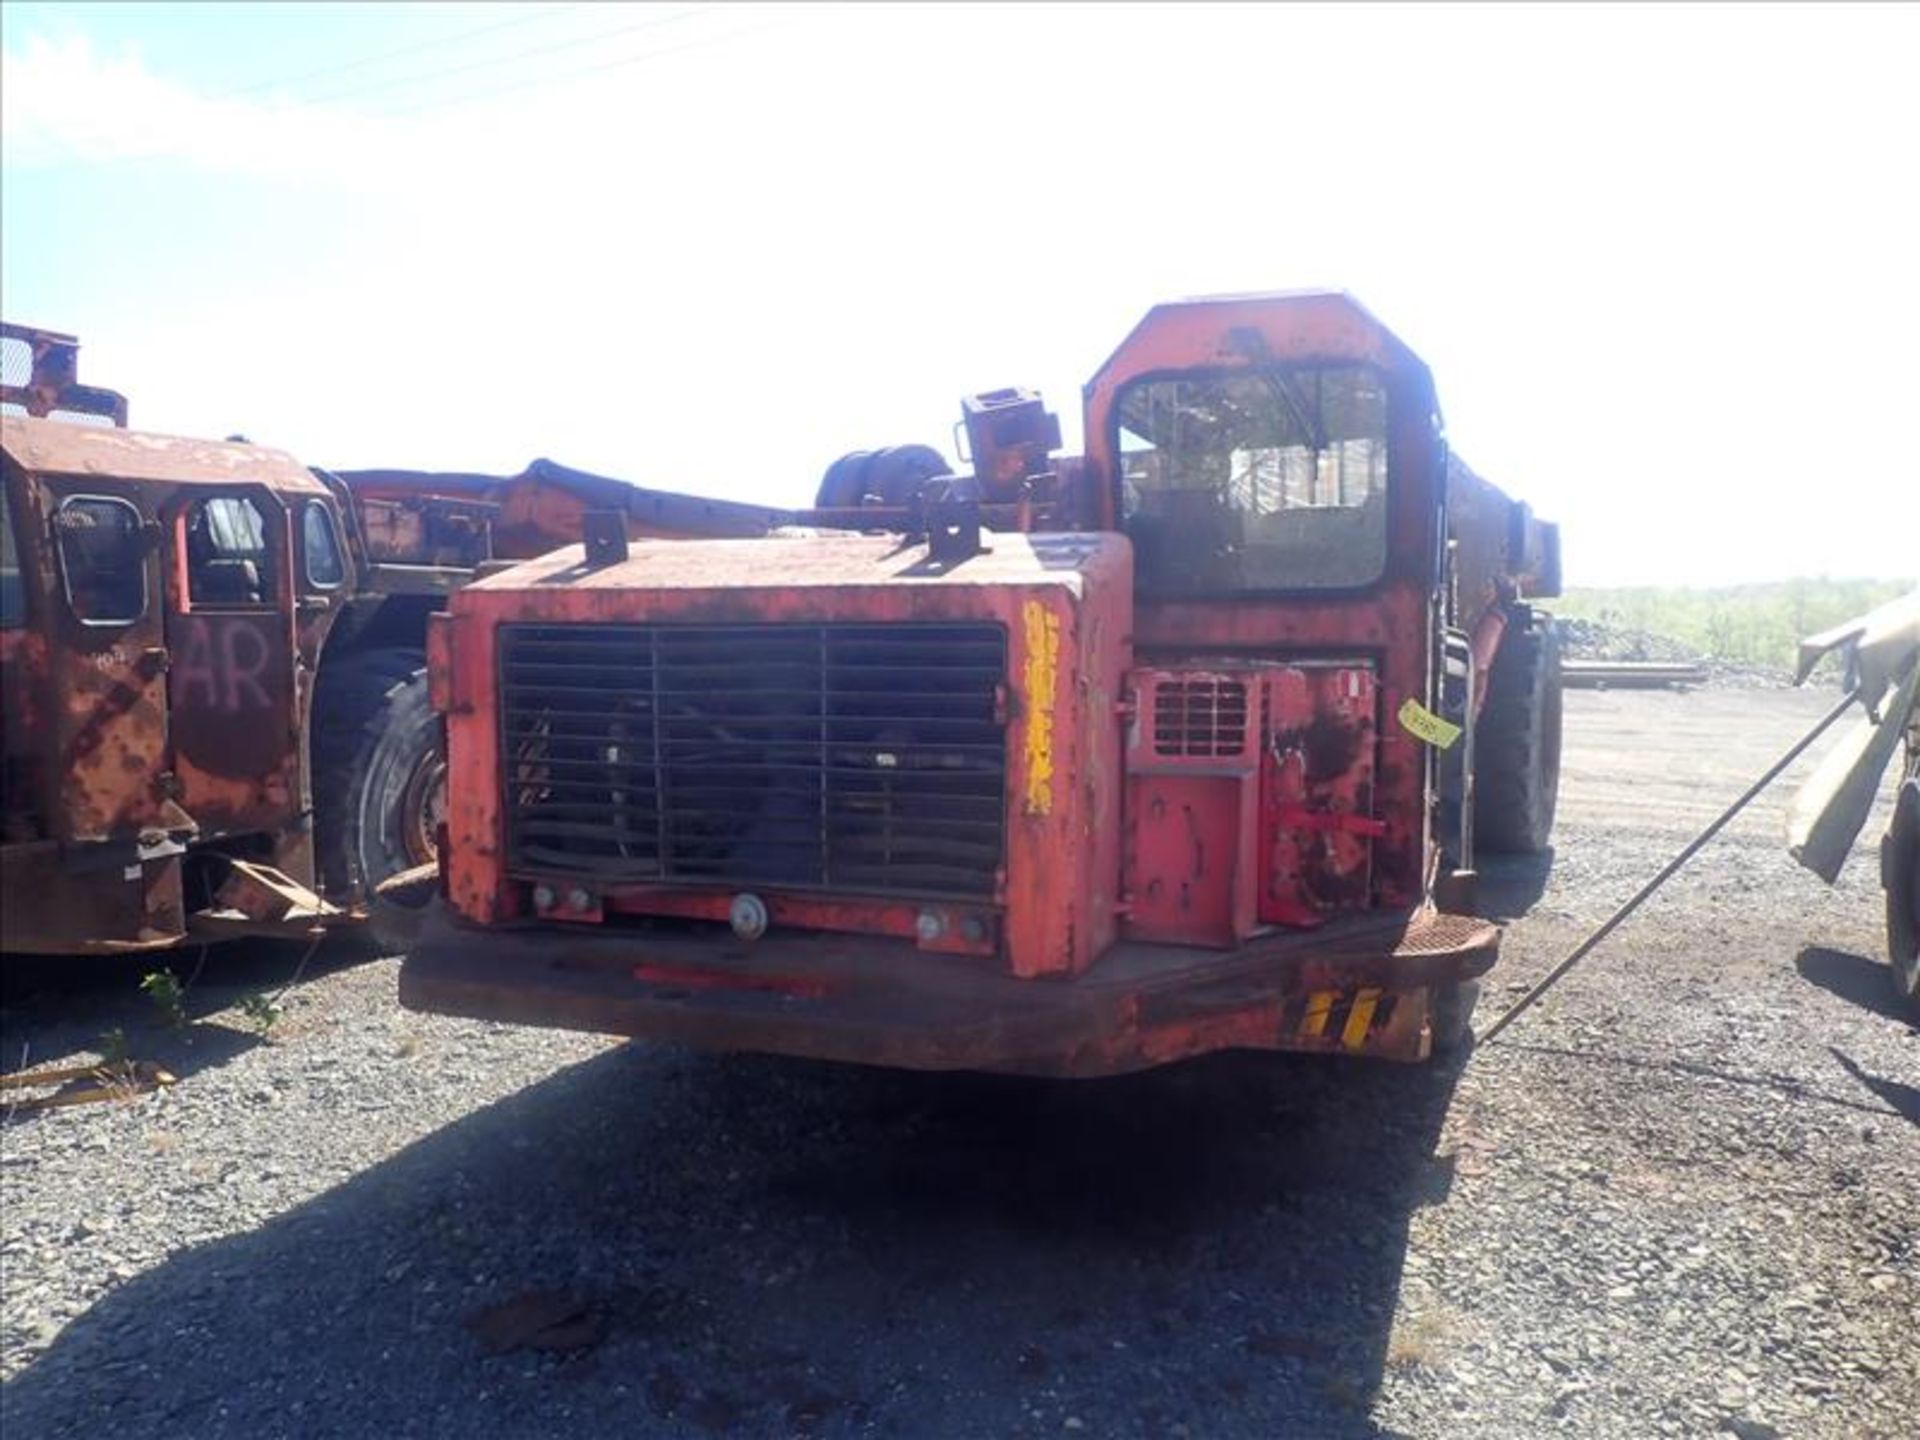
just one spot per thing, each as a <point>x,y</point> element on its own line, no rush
<point>1348,1017</point>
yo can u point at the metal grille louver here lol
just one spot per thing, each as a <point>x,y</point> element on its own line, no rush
<point>857,758</point>
<point>1203,716</point>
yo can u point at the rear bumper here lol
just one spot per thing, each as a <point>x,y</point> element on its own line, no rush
<point>1362,987</point>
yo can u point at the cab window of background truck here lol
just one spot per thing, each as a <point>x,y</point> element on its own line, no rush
<point>102,559</point>
<point>320,548</point>
<point>229,559</point>
<point>1252,480</point>
<point>13,583</point>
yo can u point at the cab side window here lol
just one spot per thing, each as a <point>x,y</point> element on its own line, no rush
<point>230,557</point>
<point>13,582</point>
<point>320,548</point>
<point>102,559</point>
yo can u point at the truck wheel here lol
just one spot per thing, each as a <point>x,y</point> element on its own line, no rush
<point>1517,746</point>
<point>379,770</point>
<point>1900,872</point>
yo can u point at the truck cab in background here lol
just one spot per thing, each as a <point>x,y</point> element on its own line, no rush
<point>169,602</point>
<point>213,706</point>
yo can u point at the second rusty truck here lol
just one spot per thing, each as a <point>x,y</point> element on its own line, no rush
<point>213,712</point>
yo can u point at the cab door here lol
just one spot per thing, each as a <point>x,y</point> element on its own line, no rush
<point>230,681</point>
<point>106,665</point>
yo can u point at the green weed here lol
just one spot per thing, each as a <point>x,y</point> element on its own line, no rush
<point>168,995</point>
<point>113,1046</point>
<point>261,1012</point>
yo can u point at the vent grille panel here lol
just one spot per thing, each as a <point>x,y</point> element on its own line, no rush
<point>1202,716</point>
<point>860,758</point>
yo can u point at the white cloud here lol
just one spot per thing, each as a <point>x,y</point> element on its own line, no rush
<point>64,104</point>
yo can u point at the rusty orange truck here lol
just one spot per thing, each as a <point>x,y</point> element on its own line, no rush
<point>1068,765</point>
<point>213,716</point>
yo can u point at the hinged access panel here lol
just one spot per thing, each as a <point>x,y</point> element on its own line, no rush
<point>1317,825</point>
<point>1193,781</point>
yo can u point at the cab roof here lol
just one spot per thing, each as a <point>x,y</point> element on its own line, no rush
<point>1288,325</point>
<point>60,447</point>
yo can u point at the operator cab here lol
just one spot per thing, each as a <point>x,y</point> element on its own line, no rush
<point>158,607</point>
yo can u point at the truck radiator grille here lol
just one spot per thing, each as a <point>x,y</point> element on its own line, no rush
<point>857,758</point>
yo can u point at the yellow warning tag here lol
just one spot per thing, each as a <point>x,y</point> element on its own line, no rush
<point>1421,721</point>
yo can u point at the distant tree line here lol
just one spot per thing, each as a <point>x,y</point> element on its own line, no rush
<point>1757,624</point>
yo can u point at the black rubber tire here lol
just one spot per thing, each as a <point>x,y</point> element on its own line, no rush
<point>899,471</point>
<point>376,742</point>
<point>1451,1019</point>
<point>1517,745</point>
<point>892,476</point>
<point>1900,872</point>
<point>844,486</point>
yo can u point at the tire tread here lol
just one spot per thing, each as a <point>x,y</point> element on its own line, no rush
<point>352,704</point>
<point>1517,745</point>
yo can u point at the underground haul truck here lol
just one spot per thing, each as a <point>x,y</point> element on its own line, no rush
<point>1064,766</point>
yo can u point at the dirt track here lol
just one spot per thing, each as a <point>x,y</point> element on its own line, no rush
<point>1679,1198</point>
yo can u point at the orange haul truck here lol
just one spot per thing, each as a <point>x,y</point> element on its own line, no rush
<point>1069,765</point>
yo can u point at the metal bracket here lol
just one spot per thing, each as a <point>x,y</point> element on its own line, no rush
<point>604,533</point>
<point>953,530</point>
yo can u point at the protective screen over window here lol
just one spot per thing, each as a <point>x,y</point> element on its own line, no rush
<point>1255,480</point>
<point>230,559</point>
<point>102,560</point>
<point>13,583</point>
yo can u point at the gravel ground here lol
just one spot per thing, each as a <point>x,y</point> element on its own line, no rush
<point>1677,1199</point>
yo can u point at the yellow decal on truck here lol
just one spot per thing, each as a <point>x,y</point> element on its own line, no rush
<point>1043,665</point>
<point>1421,721</point>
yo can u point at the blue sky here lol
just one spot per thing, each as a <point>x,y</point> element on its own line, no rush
<point>1660,258</point>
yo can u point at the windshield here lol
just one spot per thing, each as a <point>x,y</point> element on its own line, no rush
<point>1255,480</point>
